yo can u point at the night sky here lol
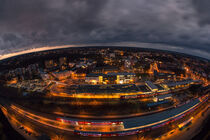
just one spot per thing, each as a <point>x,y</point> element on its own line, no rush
<point>182,24</point>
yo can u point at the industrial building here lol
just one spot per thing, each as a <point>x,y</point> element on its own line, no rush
<point>94,78</point>
<point>110,78</point>
<point>151,86</point>
<point>162,97</point>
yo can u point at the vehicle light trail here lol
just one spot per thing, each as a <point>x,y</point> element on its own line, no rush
<point>24,113</point>
<point>56,124</point>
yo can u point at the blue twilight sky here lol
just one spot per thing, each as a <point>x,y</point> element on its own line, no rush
<point>182,24</point>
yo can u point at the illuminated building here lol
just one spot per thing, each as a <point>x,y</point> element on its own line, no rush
<point>125,78</point>
<point>62,61</point>
<point>110,78</point>
<point>178,84</point>
<point>162,97</point>
<point>112,55</point>
<point>49,63</point>
<point>151,86</point>
<point>153,67</point>
<point>62,75</point>
<point>127,63</point>
<point>94,78</point>
<point>105,69</point>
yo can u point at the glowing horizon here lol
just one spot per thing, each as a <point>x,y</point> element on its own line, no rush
<point>180,49</point>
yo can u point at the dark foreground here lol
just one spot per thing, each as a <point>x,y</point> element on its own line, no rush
<point>6,130</point>
<point>205,132</point>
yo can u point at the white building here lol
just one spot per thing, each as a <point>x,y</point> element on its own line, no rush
<point>94,78</point>
<point>162,97</point>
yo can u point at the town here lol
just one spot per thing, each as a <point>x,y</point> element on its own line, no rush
<point>83,90</point>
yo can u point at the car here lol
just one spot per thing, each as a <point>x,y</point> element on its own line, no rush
<point>21,127</point>
<point>172,132</point>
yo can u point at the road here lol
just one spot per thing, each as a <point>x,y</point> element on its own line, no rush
<point>42,121</point>
<point>194,128</point>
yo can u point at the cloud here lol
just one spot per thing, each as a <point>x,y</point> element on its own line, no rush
<point>25,23</point>
<point>203,9</point>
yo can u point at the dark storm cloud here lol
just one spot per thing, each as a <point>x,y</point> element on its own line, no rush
<point>49,16</point>
<point>50,22</point>
<point>203,9</point>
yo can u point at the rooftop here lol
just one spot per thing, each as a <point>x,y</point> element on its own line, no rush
<point>109,74</point>
<point>100,89</point>
<point>121,73</point>
<point>142,121</point>
<point>94,74</point>
<point>164,96</point>
<point>184,82</point>
<point>151,85</point>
